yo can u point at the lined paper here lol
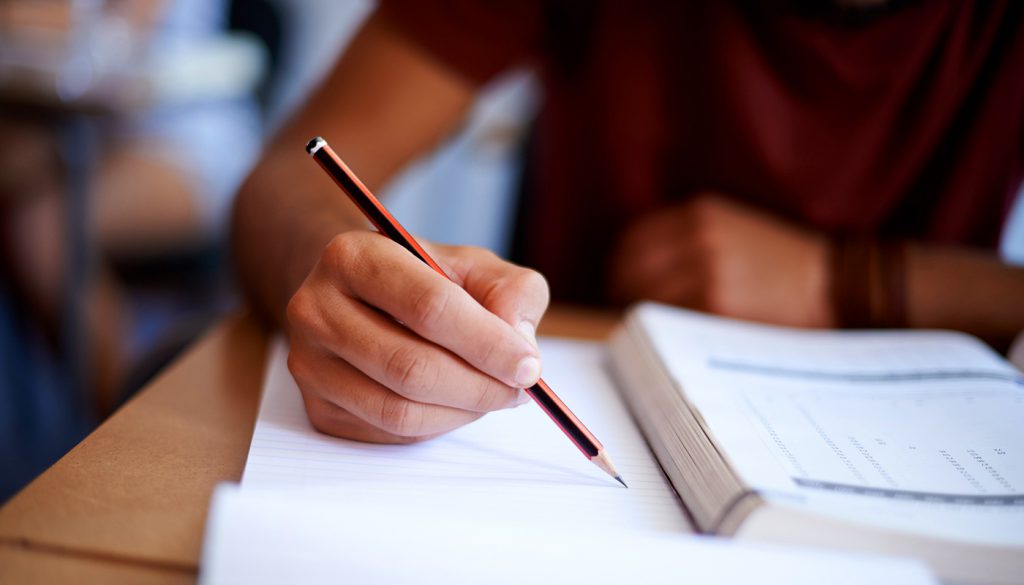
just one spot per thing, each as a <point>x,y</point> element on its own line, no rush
<point>517,457</point>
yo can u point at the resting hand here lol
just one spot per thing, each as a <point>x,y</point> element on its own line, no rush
<point>716,255</point>
<point>466,346</point>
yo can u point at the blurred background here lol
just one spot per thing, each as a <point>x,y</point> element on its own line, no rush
<point>125,128</point>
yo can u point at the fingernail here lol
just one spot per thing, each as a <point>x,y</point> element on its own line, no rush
<point>527,372</point>
<point>527,330</point>
<point>521,398</point>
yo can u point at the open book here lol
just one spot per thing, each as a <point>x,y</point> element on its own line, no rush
<point>748,431</point>
<point>905,442</point>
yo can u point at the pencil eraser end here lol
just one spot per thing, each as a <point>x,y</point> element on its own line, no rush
<point>315,144</point>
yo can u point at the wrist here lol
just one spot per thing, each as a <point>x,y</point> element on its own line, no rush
<point>818,307</point>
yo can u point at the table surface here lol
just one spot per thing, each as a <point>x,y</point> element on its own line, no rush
<point>129,503</point>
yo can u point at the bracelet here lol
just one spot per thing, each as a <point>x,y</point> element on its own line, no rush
<point>849,295</point>
<point>867,285</point>
<point>894,284</point>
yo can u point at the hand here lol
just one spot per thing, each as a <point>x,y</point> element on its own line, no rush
<point>719,256</point>
<point>466,346</point>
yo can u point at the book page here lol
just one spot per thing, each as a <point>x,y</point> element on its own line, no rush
<point>518,458</point>
<point>918,431</point>
<point>348,535</point>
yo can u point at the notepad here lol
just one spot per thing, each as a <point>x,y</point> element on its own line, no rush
<point>517,456</point>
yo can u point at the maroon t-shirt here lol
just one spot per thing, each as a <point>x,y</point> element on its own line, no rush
<point>903,121</point>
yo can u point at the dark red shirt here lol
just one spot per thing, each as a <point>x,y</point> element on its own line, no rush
<point>903,121</point>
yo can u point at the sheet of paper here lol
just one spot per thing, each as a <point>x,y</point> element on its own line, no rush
<point>261,536</point>
<point>529,470</point>
<point>917,431</point>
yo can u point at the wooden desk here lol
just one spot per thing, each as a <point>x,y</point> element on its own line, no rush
<point>128,504</point>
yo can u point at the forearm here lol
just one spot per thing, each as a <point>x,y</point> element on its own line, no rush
<point>284,216</point>
<point>383,104</point>
<point>966,290</point>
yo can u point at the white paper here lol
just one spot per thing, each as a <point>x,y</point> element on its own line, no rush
<point>262,536</point>
<point>518,457</point>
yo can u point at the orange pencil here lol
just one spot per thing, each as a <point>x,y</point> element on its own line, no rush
<point>389,226</point>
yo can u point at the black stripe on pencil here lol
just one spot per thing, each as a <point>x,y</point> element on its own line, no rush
<point>382,219</point>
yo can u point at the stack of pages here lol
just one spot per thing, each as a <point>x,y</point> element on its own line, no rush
<point>895,443</point>
<point>902,442</point>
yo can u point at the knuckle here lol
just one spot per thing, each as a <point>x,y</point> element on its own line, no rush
<point>488,350</point>
<point>297,365</point>
<point>411,371</point>
<point>300,311</point>
<point>488,398</point>
<point>474,253</point>
<point>482,255</point>
<point>456,261</point>
<point>534,283</point>
<point>319,414</point>
<point>430,306</point>
<point>319,417</point>
<point>342,251</point>
<point>401,417</point>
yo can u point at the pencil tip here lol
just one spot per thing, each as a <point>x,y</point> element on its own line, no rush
<point>601,460</point>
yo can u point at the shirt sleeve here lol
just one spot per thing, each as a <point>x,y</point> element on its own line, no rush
<point>478,39</point>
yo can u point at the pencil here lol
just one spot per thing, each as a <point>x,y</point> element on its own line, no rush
<point>382,219</point>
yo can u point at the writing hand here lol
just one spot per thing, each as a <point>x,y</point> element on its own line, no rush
<point>462,348</point>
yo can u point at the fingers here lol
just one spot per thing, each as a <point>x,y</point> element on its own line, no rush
<point>333,420</point>
<point>646,256</point>
<point>518,295</point>
<point>386,276</point>
<point>395,357</point>
<point>386,350</point>
<point>325,378</point>
<point>683,285</point>
<point>662,257</point>
<point>640,266</point>
<point>682,282</point>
